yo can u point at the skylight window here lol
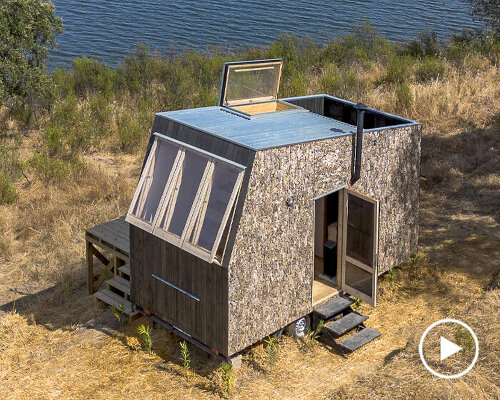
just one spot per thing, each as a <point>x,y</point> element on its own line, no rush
<point>251,87</point>
<point>186,197</point>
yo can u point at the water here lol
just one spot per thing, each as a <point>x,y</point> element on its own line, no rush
<point>110,29</point>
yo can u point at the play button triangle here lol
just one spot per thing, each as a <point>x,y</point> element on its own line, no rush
<point>448,348</point>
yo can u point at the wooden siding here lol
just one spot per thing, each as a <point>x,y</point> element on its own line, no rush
<point>206,319</point>
<point>272,265</point>
<point>344,111</point>
<point>213,144</point>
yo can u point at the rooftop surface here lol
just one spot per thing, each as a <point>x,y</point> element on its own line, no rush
<point>264,131</point>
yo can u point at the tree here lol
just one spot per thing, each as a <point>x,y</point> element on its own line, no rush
<point>487,11</point>
<point>27,30</point>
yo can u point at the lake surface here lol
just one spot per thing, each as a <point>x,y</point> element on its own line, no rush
<point>110,29</point>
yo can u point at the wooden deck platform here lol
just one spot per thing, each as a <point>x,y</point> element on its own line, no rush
<point>111,237</point>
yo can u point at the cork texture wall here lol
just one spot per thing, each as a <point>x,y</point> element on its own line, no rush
<point>271,267</point>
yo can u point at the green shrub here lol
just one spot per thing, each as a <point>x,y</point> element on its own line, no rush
<point>54,170</point>
<point>8,192</point>
<point>404,98</point>
<point>136,70</point>
<point>426,45</point>
<point>399,69</point>
<point>362,47</point>
<point>343,83</point>
<point>429,68</point>
<point>90,76</point>
<point>130,132</point>
<point>97,119</point>
<point>295,84</point>
<point>52,138</point>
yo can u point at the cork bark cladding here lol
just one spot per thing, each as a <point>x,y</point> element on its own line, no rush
<point>271,267</point>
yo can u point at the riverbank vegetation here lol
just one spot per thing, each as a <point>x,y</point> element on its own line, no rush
<point>93,107</point>
<point>71,157</point>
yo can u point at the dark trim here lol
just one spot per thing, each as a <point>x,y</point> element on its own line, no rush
<point>186,336</point>
<point>176,287</point>
<point>406,121</point>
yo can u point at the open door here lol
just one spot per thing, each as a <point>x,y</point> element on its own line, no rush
<point>359,246</point>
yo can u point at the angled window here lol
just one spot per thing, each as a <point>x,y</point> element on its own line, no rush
<point>186,196</point>
<point>212,216</point>
<point>156,173</point>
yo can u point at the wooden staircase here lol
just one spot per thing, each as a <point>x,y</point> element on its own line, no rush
<point>340,319</point>
<point>116,293</point>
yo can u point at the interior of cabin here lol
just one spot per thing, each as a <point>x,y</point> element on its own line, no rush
<point>345,241</point>
<point>326,238</point>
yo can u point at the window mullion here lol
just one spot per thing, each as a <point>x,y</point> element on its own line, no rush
<point>197,203</point>
<point>169,188</point>
<point>169,208</point>
<point>222,226</point>
<point>141,190</point>
<point>203,211</point>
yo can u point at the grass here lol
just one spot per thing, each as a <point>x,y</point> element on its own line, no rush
<point>78,164</point>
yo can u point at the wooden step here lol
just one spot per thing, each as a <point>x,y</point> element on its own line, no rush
<point>343,325</point>
<point>119,283</point>
<point>113,299</point>
<point>332,307</point>
<point>125,269</point>
<point>358,340</point>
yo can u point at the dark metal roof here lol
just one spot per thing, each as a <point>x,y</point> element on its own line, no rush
<point>282,128</point>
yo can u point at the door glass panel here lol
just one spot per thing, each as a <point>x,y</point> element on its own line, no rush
<point>155,180</point>
<point>359,279</point>
<point>223,181</point>
<point>359,241</point>
<point>191,173</point>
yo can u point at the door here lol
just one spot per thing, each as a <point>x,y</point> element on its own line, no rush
<point>359,246</point>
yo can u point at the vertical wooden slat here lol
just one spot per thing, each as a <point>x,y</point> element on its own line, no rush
<point>90,267</point>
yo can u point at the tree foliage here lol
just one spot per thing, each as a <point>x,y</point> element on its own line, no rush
<point>27,30</point>
<point>487,11</point>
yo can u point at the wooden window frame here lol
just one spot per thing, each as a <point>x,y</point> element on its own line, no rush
<point>141,193</point>
<point>168,200</point>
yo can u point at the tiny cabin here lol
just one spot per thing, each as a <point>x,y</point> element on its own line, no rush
<point>252,214</point>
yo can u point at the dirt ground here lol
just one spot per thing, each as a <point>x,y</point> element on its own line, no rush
<point>56,343</point>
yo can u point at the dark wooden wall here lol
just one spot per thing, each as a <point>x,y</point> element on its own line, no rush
<point>206,320</point>
<point>345,112</point>
<point>205,141</point>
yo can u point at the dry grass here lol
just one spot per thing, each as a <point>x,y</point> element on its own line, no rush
<point>60,345</point>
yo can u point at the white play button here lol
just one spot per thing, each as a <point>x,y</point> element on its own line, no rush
<point>440,330</point>
<point>448,348</point>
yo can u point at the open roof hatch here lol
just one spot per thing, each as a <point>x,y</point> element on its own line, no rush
<point>251,87</point>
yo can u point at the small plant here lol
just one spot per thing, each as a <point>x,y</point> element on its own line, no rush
<point>404,97</point>
<point>465,339</point>
<point>272,349</point>
<point>8,192</point>
<point>312,335</point>
<point>414,260</point>
<point>390,277</point>
<point>185,356</point>
<point>357,303</point>
<point>145,334</point>
<point>227,376</point>
<point>119,312</point>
